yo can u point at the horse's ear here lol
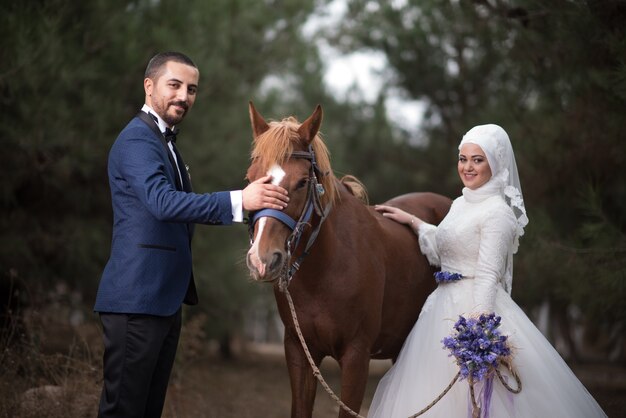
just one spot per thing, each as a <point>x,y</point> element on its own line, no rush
<point>259,126</point>
<point>311,126</point>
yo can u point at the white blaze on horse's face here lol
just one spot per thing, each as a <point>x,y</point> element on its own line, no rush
<point>277,174</point>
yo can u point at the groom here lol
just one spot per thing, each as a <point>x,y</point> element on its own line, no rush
<point>149,272</point>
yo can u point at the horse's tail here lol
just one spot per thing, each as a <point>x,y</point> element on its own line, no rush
<point>355,187</point>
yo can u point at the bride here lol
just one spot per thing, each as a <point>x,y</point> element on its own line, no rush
<point>475,244</point>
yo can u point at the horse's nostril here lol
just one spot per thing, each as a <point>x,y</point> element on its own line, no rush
<point>277,260</point>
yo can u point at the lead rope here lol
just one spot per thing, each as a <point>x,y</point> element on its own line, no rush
<point>316,370</point>
<point>475,407</point>
<point>283,285</point>
<point>441,395</point>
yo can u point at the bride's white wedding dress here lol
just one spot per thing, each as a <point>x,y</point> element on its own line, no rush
<point>475,239</point>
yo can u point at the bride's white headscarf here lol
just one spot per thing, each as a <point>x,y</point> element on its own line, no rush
<point>495,143</point>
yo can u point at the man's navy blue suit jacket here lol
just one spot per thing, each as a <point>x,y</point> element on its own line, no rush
<point>150,268</point>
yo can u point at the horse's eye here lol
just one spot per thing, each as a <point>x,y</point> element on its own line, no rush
<point>302,183</point>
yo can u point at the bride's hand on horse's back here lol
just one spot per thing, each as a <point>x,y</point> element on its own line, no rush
<point>260,194</point>
<point>398,215</point>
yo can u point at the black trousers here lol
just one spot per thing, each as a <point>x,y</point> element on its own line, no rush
<point>139,352</point>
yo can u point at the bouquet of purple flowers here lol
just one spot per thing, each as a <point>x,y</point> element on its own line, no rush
<point>477,345</point>
<point>479,349</point>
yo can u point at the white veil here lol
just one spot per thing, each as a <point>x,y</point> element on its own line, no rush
<point>496,144</point>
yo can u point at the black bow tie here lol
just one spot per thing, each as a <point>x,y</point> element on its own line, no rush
<point>170,135</point>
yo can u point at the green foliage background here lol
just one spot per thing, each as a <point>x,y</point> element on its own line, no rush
<point>552,73</point>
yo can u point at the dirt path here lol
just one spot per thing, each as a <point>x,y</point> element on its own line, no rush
<point>257,385</point>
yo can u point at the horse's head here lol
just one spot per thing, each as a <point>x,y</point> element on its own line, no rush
<point>298,161</point>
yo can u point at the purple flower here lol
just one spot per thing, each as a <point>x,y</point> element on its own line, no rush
<point>477,345</point>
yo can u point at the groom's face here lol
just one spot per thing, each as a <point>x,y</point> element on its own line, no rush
<point>173,92</point>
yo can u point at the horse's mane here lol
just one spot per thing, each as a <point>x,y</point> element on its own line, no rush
<point>356,187</point>
<point>276,144</point>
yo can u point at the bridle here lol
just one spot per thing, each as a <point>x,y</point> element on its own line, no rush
<point>313,203</point>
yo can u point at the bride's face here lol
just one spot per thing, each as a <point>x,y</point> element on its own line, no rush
<point>473,167</point>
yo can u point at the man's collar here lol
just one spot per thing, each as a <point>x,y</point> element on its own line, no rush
<point>160,122</point>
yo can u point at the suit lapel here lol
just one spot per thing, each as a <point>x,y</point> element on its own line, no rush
<point>153,126</point>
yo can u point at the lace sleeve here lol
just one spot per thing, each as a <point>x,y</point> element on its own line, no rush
<point>497,234</point>
<point>428,243</point>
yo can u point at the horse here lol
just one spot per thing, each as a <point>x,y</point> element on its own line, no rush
<point>357,279</point>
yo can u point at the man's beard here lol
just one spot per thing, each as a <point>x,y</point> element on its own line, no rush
<point>174,119</point>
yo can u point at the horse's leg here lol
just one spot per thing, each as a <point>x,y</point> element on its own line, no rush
<point>354,372</point>
<point>303,382</point>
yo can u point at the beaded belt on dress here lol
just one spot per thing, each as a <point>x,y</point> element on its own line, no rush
<point>447,277</point>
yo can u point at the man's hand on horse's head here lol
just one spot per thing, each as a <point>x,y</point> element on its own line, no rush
<point>261,194</point>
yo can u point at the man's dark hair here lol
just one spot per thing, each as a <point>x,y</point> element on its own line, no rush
<point>157,63</point>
